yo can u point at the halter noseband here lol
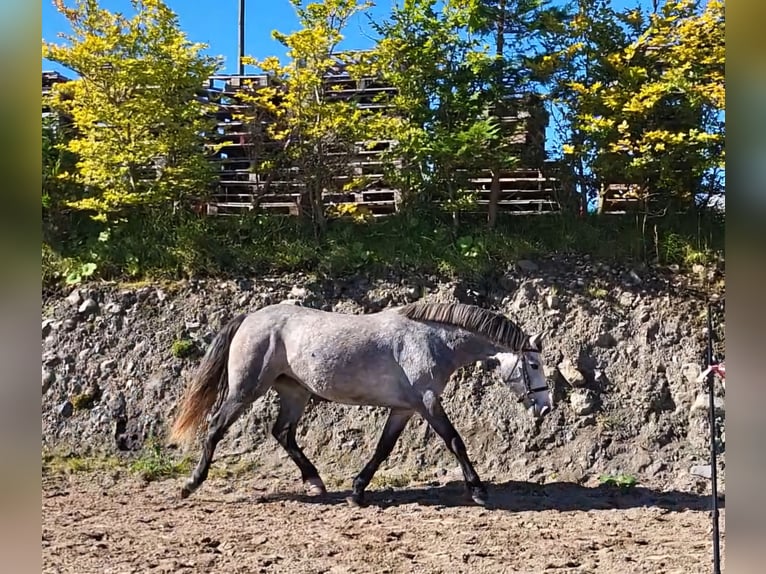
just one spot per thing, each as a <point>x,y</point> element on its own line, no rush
<point>528,390</point>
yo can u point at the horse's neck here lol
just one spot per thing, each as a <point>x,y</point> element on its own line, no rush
<point>467,347</point>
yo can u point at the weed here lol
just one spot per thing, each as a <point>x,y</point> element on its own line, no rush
<point>154,463</point>
<point>71,464</point>
<point>625,482</point>
<point>184,349</point>
<point>596,292</point>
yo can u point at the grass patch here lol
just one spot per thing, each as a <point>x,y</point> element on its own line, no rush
<point>393,480</point>
<point>155,463</point>
<point>71,464</point>
<point>159,246</point>
<point>624,482</point>
<point>185,349</point>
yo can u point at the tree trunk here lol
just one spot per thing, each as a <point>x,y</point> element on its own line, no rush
<point>494,196</point>
<point>494,193</point>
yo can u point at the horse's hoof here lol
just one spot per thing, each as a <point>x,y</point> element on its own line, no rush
<point>187,489</point>
<point>479,496</point>
<point>314,486</point>
<point>355,500</point>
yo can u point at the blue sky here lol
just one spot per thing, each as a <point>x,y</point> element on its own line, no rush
<point>215,24</point>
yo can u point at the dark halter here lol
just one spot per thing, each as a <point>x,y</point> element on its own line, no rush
<point>528,390</point>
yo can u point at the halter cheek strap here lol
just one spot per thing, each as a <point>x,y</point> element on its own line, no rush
<point>528,390</point>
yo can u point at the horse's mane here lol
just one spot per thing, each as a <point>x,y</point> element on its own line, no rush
<point>495,326</point>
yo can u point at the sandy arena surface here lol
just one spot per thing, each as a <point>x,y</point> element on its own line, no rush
<point>113,523</point>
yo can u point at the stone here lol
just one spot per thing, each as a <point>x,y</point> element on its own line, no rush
<point>698,269</point>
<point>527,266</point>
<point>290,302</point>
<point>582,401</point>
<point>691,372</point>
<point>70,324</point>
<point>702,403</point>
<point>47,326</point>
<point>299,292</point>
<point>634,278</point>
<point>702,470</point>
<point>243,300</point>
<point>88,307</point>
<point>412,293</point>
<point>74,298</point>
<point>48,378</point>
<point>606,340</point>
<point>114,308</point>
<point>570,373</point>
<point>626,299</point>
<point>65,409</point>
<point>552,301</point>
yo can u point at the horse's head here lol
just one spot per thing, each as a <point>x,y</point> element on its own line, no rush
<point>523,374</point>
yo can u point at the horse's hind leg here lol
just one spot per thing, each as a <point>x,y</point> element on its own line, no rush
<point>433,412</point>
<point>230,410</point>
<point>397,420</point>
<point>293,399</point>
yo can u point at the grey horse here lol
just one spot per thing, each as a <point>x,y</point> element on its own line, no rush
<point>400,358</point>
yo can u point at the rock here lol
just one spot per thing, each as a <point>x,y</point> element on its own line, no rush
<point>698,269</point>
<point>582,401</point>
<point>161,295</point>
<point>290,302</point>
<point>606,340</point>
<point>412,293</point>
<point>88,307</point>
<point>74,298</point>
<point>47,326</point>
<point>114,308</point>
<point>691,372</point>
<point>70,324</point>
<point>703,470</point>
<point>65,409</point>
<point>192,325</point>
<point>48,378</point>
<point>570,373</point>
<point>634,278</point>
<point>298,292</point>
<point>702,403</point>
<point>527,266</point>
<point>243,300</point>
<point>626,299</point>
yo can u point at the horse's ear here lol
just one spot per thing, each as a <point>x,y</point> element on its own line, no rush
<point>536,341</point>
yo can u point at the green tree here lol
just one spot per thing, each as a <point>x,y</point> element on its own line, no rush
<point>316,130</point>
<point>442,71</point>
<point>138,128</point>
<point>642,96</point>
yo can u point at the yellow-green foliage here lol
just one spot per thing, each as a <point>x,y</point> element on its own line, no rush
<point>137,123</point>
<point>645,92</point>
<point>316,134</point>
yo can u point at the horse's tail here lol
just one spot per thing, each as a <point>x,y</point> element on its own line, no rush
<point>208,387</point>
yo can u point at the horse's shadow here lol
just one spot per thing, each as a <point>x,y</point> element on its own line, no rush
<point>518,496</point>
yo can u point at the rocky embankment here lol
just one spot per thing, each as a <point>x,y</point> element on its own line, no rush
<point>624,352</point>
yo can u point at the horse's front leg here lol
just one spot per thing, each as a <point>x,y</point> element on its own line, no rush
<point>433,412</point>
<point>397,420</point>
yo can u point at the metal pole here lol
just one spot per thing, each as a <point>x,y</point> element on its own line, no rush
<point>713,463</point>
<point>241,25</point>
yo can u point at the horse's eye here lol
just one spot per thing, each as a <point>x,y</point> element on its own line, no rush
<point>534,366</point>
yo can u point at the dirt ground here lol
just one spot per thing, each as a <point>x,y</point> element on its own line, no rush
<point>112,523</point>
